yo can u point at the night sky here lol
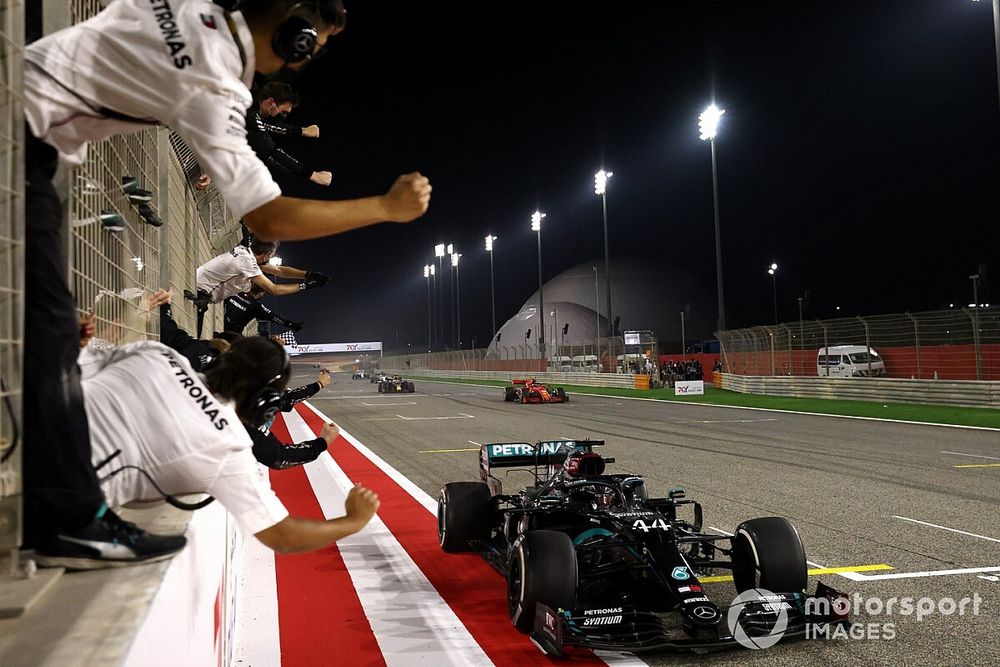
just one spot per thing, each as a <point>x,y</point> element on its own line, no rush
<point>860,149</point>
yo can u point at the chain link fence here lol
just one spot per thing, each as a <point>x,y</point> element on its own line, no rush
<point>958,344</point>
<point>11,267</point>
<point>111,272</point>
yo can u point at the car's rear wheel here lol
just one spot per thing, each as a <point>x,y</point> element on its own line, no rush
<point>409,387</point>
<point>768,553</point>
<point>561,393</point>
<point>381,389</point>
<point>464,514</point>
<point>509,394</point>
<point>542,569</point>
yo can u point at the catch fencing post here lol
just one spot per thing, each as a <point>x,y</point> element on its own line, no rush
<point>868,344</point>
<point>916,340</point>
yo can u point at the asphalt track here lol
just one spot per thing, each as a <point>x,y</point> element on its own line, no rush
<point>883,497</point>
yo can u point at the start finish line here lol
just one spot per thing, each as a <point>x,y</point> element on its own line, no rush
<point>295,350</point>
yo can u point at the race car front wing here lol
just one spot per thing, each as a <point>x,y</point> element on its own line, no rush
<point>766,620</point>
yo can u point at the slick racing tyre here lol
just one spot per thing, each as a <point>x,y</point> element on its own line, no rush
<point>381,388</point>
<point>561,393</point>
<point>509,394</point>
<point>542,569</point>
<point>767,553</point>
<point>408,387</point>
<point>464,514</point>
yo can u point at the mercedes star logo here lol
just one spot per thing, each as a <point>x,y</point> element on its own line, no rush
<point>704,612</point>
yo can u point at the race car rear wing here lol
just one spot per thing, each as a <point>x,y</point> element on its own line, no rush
<point>523,455</point>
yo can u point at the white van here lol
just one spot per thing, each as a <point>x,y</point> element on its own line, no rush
<point>846,361</point>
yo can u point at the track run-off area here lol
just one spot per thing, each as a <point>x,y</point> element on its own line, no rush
<point>886,511</point>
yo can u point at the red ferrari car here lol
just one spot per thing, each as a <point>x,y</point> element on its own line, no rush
<point>528,390</point>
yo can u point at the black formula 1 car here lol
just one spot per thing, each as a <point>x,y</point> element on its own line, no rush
<point>395,385</point>
<point>590,560</point>
<point>359,374</point>
<point>527,390</point>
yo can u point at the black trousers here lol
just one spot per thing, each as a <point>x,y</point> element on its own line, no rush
<point>61,491</point>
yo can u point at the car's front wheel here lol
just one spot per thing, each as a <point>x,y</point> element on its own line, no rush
<point>542,569</point>
<point>768,553</point>
<point>464,514</point>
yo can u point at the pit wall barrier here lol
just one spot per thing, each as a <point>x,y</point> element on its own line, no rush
<point>192,618</point>
<point>580,379</point>
<point>965,393</point>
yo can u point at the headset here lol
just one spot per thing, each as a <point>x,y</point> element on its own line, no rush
<point>265,403</point>
<point>295,40</point>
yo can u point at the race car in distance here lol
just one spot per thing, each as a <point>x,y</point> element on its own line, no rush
<point>359,374</point>
<point>377,377</point>
<point>394,385</point>
<point>527,390</point>
<point>591,560</point>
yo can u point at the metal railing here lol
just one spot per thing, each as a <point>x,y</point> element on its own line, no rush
<point>958,344</point>
<point>607,355</point>
<point>11,267</point>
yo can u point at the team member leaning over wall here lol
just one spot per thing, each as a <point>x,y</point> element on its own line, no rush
<point>203,354</point>
<point>172,434</point>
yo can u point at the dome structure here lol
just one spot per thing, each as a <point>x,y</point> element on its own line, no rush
<point>645,296</point>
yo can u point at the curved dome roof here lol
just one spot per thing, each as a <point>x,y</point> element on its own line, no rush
<point>645,295</point>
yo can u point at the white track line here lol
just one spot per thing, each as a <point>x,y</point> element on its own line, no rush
<point>462,415</point>
<point>379,405</point>
<point>407,615</point>
<point>857,576</point>
<point>953,530</point>
<point>744,407</point>
<point>975,456</point>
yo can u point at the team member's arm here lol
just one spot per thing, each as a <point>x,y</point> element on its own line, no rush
<point>262,312</point>
<point>171,334</point>
<point>292,219</point>
<point>285,289</point>
<point>218,136</point>
<point>283,271</point>
<point>273,453</point>
<point>293,396</point>
<point>296,535</point>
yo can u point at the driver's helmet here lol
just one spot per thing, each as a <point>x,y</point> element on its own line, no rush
<point>583,464</point>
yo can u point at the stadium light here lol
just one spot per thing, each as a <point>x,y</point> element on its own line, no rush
<point>439,251</point>
<point>601,182</point>
<point>490,238</point>
<point>536,226</point>
<point>428,272</point>
<point>708,122</point>
<point>458,297</point>
<point>451,249</point>
<point>708,126</point>
<point>601,188</point>
<point>772,271</point>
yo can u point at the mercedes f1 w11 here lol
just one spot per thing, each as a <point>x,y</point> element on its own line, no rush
<point>591,560</point>
<point>529,391</point>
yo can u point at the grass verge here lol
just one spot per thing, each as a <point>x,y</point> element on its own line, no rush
<point>936,414</point>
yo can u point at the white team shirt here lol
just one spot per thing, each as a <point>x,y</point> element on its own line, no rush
<point>145,400</point>
<point>142,62</point>
<point>228,274</point>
